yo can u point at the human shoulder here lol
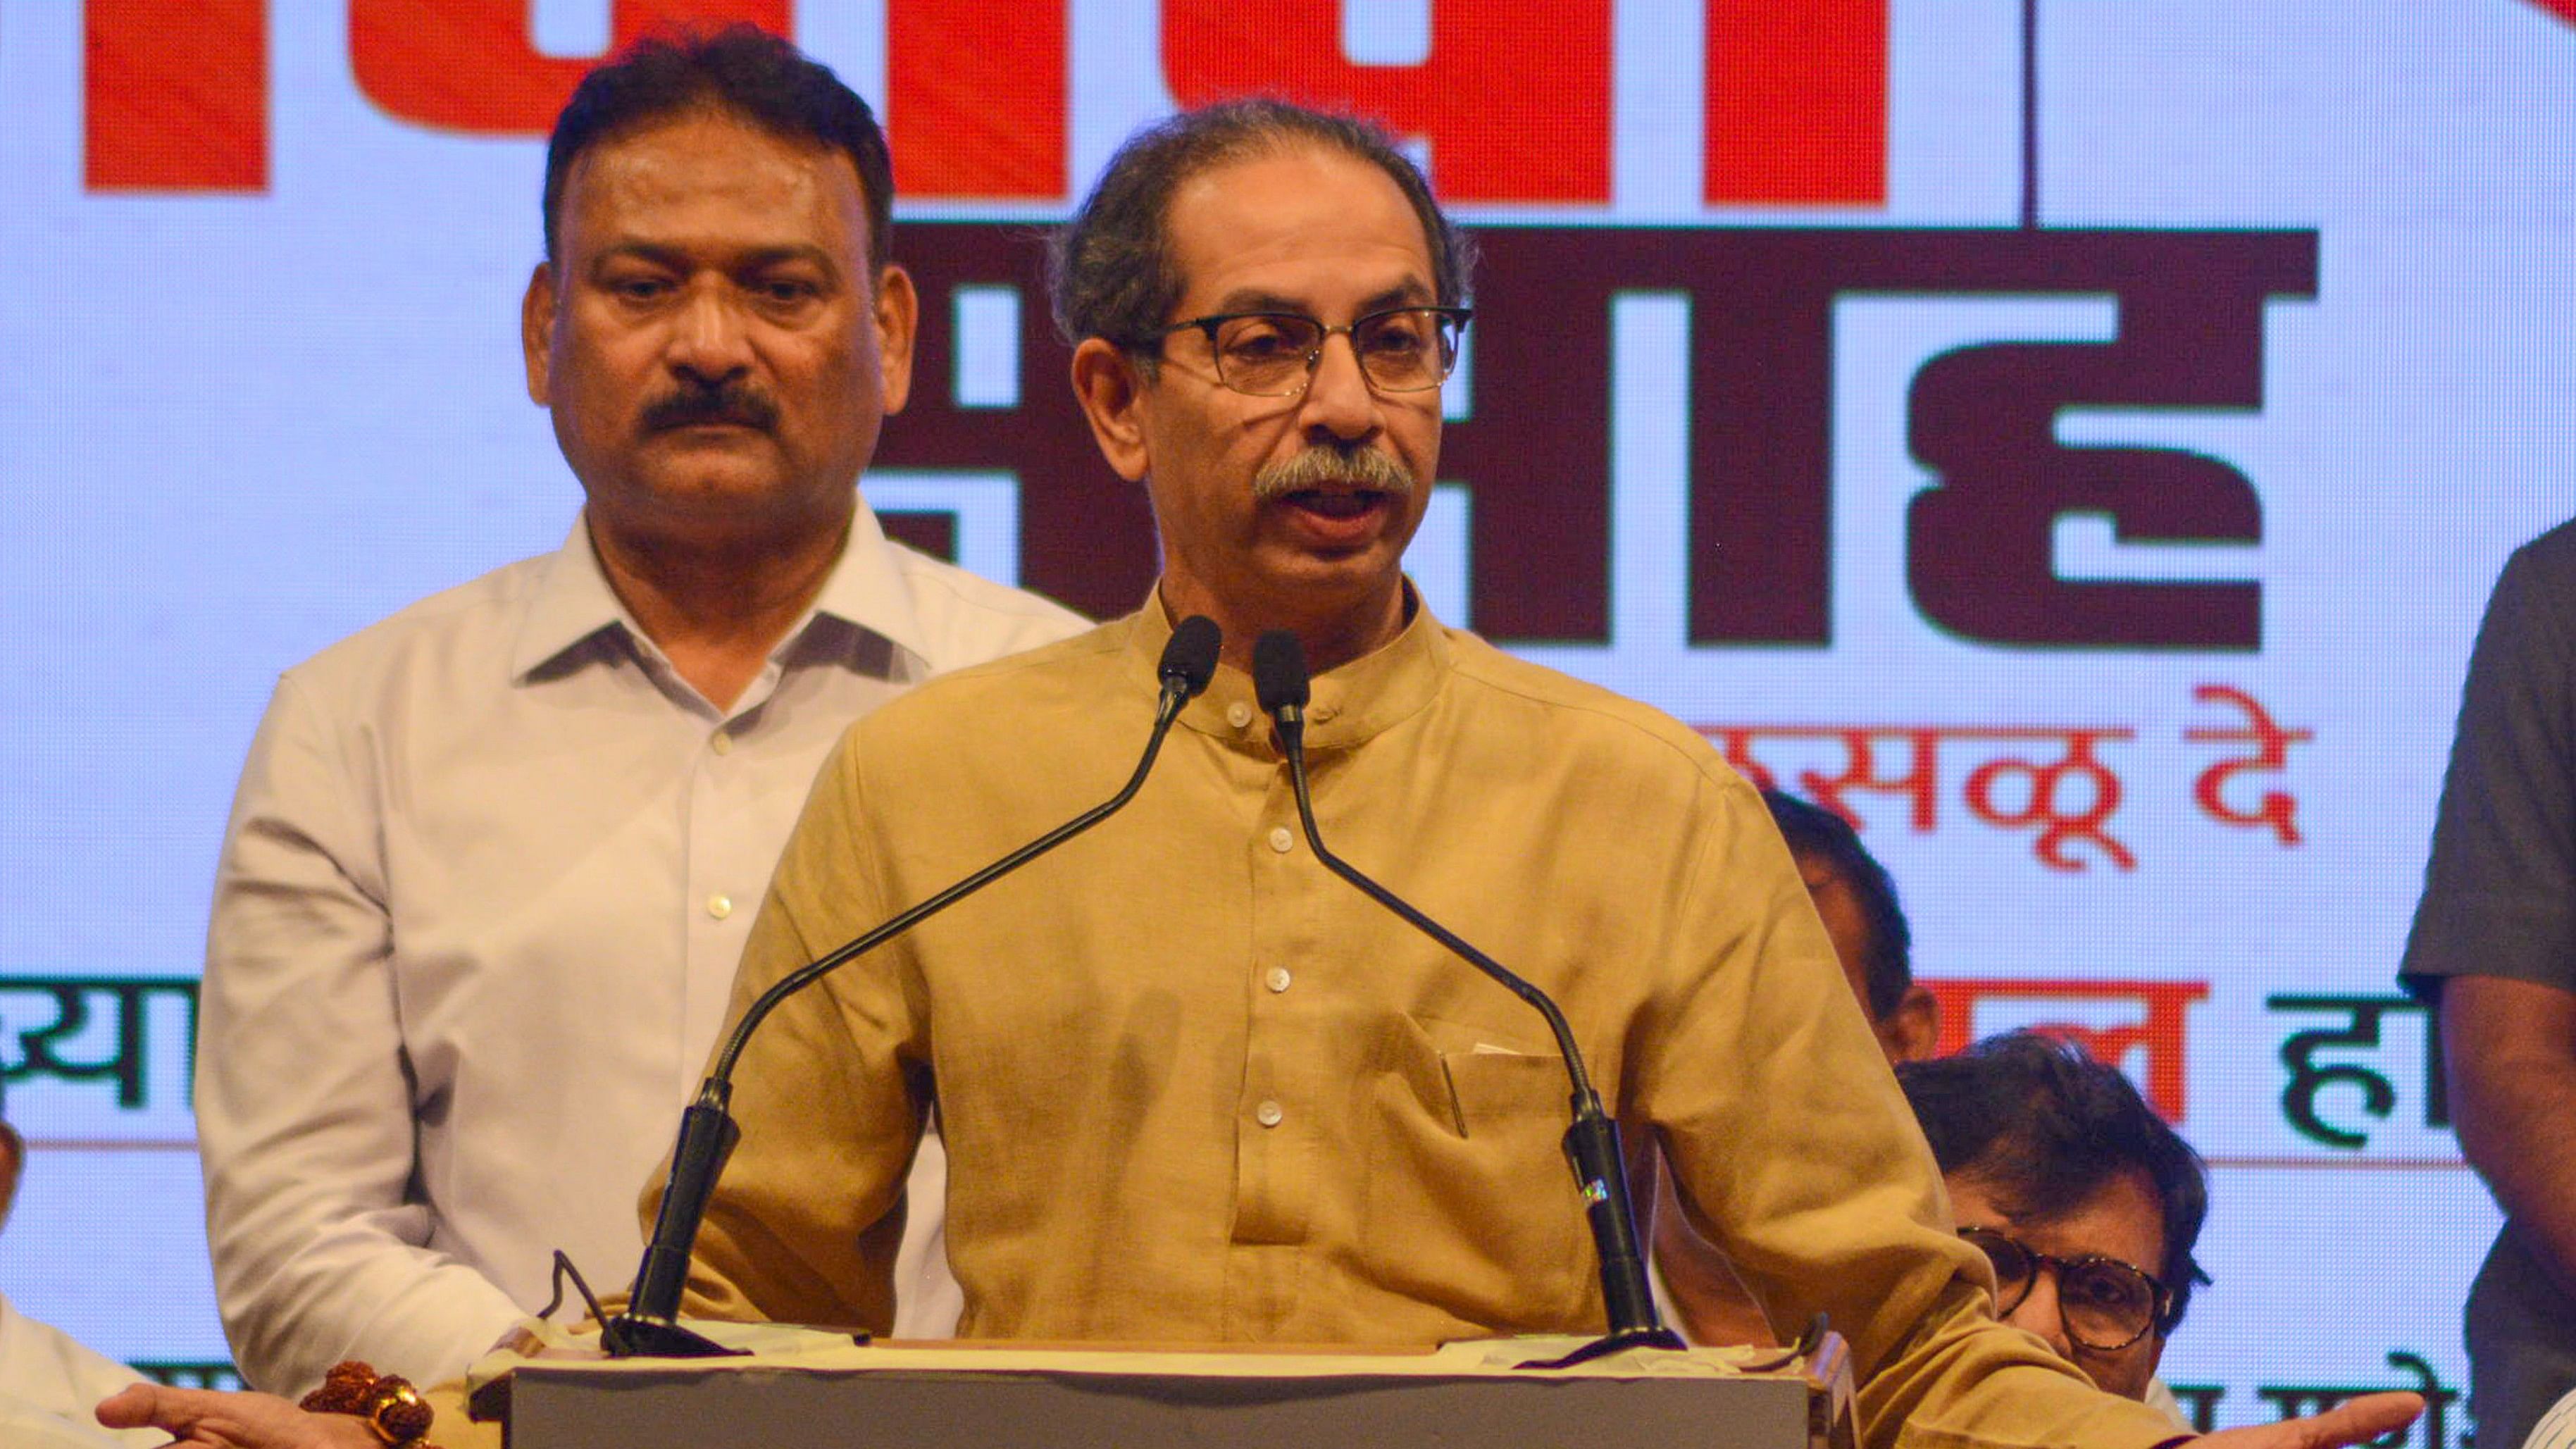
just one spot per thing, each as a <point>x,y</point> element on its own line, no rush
<point>1062,676</point>
<point>2550,559</point>
<point>479,617</point>
<point>2533,609</point>
<point>1585,715</point>
<point>966,619</point>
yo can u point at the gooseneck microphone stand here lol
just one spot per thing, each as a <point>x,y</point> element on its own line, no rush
<point>1592,1142</point>
<point>649,1328</point>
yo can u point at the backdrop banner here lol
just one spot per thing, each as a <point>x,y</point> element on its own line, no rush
<point>2074,440</point>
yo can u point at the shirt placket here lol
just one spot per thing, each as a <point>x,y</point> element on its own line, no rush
<point>727,870</point>
<point>1277,1128</point>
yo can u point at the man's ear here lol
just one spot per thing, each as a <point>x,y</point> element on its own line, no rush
<point>1114,396</point>
<point>898,320</point>
<point>537,331</point>
<point>13,1157</point>
<point>1912,1032</point>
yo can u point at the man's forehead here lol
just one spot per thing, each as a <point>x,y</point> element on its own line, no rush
<point>701,159</point>
<point>2120,1219</point>
<point>1239,230</point>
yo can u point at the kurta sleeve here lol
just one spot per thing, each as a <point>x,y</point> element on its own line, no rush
<point>830,1093</point>
<point>1794,1150</point>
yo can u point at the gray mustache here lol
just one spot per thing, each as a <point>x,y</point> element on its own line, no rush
<point>1320,467</point>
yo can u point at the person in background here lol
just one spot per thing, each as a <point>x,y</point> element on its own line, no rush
<point>2085,1202</point>
<point>2557,1428</point>
<point>1856,899</point>
<point>2494,948</point>
<point>49,1381</point>
<point>493,859</point>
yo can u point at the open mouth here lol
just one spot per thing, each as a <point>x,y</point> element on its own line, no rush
<point>1337,502</point>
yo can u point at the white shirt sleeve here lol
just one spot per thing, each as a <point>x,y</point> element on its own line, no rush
<point>50,1382</point>
<point>304,1097</point>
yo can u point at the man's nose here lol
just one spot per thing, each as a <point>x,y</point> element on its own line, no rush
<point>1339,402</point>
<point>710,338</point>
<point>2040,1312</point>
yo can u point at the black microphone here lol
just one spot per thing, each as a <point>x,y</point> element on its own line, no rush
<point>1592,1142</point>
<point>649,1327</point>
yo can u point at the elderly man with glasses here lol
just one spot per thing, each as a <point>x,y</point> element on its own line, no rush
<point>2084,1201</point>
<point>1196,1088</point>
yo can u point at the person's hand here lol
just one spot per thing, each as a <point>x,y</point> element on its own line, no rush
<point>2354,1421</point>
<point>206,1419</point>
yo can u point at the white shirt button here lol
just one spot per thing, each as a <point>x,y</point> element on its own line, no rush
<point>1278,978</point>
<point>1281,840</point>
<point>1268,1114</point>
<point>720,905</point>
<point>722,744</point>
<point>1238,714</point>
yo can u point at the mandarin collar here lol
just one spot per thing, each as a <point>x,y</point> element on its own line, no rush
<point>1348,706</point>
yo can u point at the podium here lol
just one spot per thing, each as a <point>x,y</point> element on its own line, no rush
<point>803,1387</point>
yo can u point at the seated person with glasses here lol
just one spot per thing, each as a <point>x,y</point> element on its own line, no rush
<point>2085,1201</point>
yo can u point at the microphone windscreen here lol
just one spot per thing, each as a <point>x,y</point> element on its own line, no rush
<point>1279,671</point>
<point>1190,659</point>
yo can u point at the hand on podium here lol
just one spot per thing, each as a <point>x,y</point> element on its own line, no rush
<point>212,1419</point>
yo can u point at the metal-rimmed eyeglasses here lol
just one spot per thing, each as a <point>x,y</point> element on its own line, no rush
<point>1275,354</point>
<point>2105,1304</point>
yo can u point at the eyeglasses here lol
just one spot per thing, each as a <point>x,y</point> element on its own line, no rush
<point>1275,354</point>
<point>2106,1304</point>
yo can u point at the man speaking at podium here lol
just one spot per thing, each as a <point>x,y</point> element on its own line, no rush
<point>1197,1088</point>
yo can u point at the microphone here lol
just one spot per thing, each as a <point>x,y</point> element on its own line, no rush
<point>1592,1143</point>
<point>649,1327</point>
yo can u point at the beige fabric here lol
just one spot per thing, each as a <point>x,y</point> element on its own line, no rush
<point>1151,1139</point>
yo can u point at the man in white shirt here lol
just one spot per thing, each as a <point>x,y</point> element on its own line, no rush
<point>492,860</point>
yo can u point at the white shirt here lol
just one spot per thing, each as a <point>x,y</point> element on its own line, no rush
<point>49,1384</point>
<point>488,875</point>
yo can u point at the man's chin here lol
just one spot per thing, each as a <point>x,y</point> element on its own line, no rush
<point>726,494</point>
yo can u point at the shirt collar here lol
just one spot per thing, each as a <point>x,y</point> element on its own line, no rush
<point>575,602</point>
<point>1347,706</point>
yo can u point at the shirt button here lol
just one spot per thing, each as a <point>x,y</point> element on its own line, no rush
<point>1281,840</point>
<point>1238,714</point>
<point>1268,1114</point>
<point>1278,978</point>
<point>720,905</point>
<point>722,744</point>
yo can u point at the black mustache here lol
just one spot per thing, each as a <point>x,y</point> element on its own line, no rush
<point>696,407</point>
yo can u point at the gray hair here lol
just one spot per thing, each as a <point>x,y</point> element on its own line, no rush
<point>1109,269</point>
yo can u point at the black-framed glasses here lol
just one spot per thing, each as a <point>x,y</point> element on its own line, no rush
<point>1275,354</point>
<point>2105,1304</point>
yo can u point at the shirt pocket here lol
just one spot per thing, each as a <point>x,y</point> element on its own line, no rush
<point>1470,1204</point>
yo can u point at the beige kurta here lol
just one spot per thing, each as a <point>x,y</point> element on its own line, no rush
<point>1197,1088</point>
